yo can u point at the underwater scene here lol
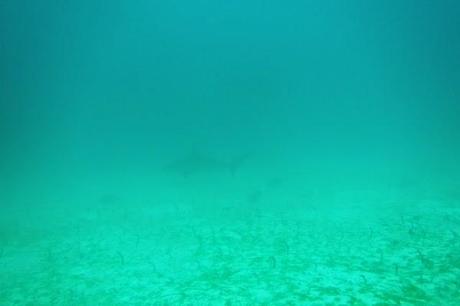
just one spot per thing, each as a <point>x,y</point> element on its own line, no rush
<point>229,152</point>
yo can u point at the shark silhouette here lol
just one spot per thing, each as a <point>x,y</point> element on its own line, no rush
<point>196,163</point>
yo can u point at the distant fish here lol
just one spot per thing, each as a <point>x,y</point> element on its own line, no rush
<point>196,163</point>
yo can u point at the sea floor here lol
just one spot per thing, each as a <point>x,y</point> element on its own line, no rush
<point>266,242</point>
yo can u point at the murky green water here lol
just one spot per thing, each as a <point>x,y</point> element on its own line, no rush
<point>229,153</point>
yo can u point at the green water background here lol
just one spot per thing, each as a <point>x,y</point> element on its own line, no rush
<point>91,84</point>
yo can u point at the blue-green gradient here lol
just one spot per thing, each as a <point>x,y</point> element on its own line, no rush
<point>229,152</point>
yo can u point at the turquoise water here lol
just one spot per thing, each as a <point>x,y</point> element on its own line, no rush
<point>229,152</point>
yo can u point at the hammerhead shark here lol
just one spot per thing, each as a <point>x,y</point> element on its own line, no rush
<point>196,163</point>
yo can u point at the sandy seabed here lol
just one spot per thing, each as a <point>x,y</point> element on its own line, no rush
<point>268,242</point>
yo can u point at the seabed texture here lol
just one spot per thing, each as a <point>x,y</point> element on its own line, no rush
<point>226,241</point>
